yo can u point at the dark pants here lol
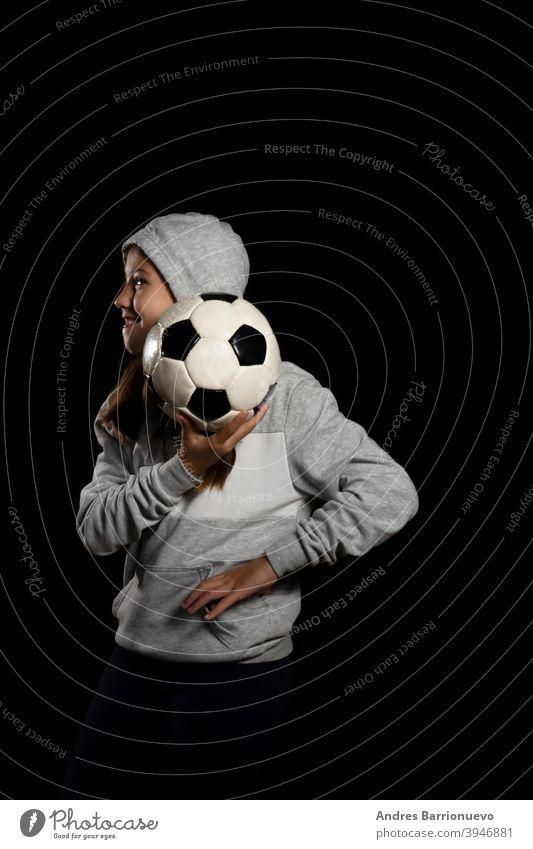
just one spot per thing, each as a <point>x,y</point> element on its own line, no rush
<point>163,730</point>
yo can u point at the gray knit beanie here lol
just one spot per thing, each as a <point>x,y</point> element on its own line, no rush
<point>194,253</point>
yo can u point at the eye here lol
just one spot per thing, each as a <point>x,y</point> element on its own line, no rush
<point>138,280</point>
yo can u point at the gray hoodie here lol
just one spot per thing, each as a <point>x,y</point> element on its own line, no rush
<point>195,253</point>
<point>308,487</point>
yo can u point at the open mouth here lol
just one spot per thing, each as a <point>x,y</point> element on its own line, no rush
<point>129,322</point>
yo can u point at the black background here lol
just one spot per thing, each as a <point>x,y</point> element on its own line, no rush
<point>451,719</point>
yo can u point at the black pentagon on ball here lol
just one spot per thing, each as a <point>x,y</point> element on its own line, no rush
<point>219,296</point>
<point>178,340</point>
<point>249,345</point>
<point>209,404</point>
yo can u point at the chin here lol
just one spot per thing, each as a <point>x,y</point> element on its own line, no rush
<point>133,346</point>
<point>131,349</point>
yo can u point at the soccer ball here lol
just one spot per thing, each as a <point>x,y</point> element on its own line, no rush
<point>211,355</point>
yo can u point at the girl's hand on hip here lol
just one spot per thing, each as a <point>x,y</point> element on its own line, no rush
<point>200,452</point>
<point>254,576</point>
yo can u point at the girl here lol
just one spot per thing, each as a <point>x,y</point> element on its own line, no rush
<point>216,528</point>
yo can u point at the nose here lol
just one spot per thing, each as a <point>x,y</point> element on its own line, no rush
<point>125,297</point>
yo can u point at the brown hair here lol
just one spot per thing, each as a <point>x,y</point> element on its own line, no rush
<point>125,411</point>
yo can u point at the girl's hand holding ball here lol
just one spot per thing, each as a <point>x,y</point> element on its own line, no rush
<point>200,452</point>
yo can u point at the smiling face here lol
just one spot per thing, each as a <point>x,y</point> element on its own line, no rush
<point>142,300</point>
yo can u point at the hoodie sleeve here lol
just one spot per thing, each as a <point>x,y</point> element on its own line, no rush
<point>367,496</point>
<point>117,505</point>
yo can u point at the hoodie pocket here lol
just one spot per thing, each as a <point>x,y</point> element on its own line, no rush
<point>151,617</point>
<point>152,620</point>
<point>243,625</point>
<point>119,598</point>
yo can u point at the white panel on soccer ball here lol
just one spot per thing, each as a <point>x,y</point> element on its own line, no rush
<point>249,387</point>
<point>200,424</point>
<point>273,357</point>
<point>248,314</point>
<point>218,424</point>
<point>212,364</point>
<point>179,311</point>
<point>170,410</point>
<point>172,382</point>
<point>152,349</point>
<point>215,318</point>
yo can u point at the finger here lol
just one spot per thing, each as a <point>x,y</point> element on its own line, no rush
<point>203,599</point>
<point>244,425</point>
<point>204,592</point>
<point>188,426</point>
<point>226,602</point>
<point>244,428</point>
<point>202,587</point>
<point>261,411</point>
<point>233,425</point>
<point>219,440</point>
